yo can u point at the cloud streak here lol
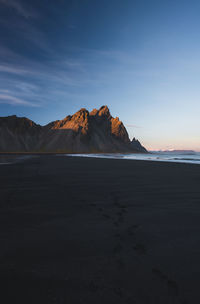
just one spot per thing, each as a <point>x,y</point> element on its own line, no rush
<point>133,126</point>
<point>7,99</point>
<point>13,70</point>
<point>60,79</point>
<point>19,8</point>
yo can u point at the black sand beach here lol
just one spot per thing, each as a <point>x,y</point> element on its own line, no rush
<point>79,230</point>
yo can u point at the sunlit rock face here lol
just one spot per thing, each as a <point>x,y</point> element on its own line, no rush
<point>82,132</point>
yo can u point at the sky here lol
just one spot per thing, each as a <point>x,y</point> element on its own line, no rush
<point>139,57</point>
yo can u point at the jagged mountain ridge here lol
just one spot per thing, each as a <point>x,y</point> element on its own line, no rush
<point>84,132</point>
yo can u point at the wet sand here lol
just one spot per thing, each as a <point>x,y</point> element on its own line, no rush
<point>80,230</point>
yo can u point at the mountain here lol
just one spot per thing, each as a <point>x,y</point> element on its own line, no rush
<point>177,151</point>
<point>84,132</point>
<point>18,134</point>
<point>137,145</point>
<point>180,151</point>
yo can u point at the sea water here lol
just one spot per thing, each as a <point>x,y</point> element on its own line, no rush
<point>178,157</point>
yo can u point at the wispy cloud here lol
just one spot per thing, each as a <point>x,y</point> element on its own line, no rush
<point>19,8</point>
<point>60,76</point>
<point>13,70</point>
<point>133,126</point>
<point>7,99</point>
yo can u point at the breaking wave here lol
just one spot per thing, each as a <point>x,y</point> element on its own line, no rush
<point>191,157</point>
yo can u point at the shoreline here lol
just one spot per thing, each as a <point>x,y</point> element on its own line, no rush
<point>116,156</point>
<point>181,161</point>
<point>62,153</point>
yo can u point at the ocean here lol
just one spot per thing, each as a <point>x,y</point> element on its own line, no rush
<point>190,157</point>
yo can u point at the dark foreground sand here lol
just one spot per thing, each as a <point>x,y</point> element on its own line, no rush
<point>80,230</point>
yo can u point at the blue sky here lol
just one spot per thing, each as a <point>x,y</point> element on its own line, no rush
<point>141,58</point>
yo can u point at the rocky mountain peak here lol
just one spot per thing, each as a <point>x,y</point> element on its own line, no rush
<point>118,130</point>
<point>96,131</point>
<point>103,111</point>
<point>81,115</point>
<point>137,145</point>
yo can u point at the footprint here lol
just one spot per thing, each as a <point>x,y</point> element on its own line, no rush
<point>93,287</point>
<point>184,302</point>
<point>118,248</point>
<point>140,248</point>
<point>120,263</point>
<point>131,229</point>
<point>118,291</point>
<point>130,232</point>
<point>116,200</point>
<point>172,285</point>
<point>120,219</point>
<point>117,235</point>
<point>123,207</point>
<point>107,216</point>
<point>159,273</point>
<point>93,204</point>
<point>119,213</point>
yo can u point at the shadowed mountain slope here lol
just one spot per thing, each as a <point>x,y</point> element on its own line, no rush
<point>82,132</point>
<point>18,134</point>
